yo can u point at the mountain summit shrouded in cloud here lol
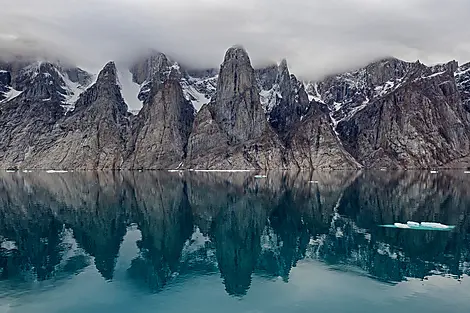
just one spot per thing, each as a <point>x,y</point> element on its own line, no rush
<point>318,37</point>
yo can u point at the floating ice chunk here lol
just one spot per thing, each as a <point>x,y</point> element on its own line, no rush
<point>425,226</point>
<point>8,245</point>
<point>400,225</point>
<point>434,172</point>
<point>316,182</point>
<point>261,176</point>
<point>56,171</point>
<point>434,225</point>
<point>222,171</point>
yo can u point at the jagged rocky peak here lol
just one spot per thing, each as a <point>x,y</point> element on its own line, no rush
<point>237,108</point>
<point>45,81</point>
<point>106,91</point>
<point>418,123</point>
<point>282,96</point>
<point>232,131</point>
<point>162,128</point>
<point>108,75</point>
<point>236,74</point>
<point>150,68</point>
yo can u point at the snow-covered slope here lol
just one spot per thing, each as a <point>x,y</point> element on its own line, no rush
<point>199,87</point>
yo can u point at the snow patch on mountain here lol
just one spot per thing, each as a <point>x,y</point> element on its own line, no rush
<point>10,95</point>
<point>129,90</point>
<point>199,90</point>
<point>270,98</point>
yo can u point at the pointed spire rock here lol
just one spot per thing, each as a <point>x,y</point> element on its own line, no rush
<point>237,107</point>
<point>232,130</point>
<point>108,75</point>
<point>162,129</point>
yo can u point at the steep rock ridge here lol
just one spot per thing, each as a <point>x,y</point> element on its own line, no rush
<point>45,81</point>
<point>93,136</point>
<point>421,124</point>
<point>347,93</point>
<point>283,97</point>
<point>315,145</point>
<point>23,122</point>
<point>232,131</point>
<point>150,70</point>
<point>161,130</point>
<point>462,77</point>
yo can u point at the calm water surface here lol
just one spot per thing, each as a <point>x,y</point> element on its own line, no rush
<point>220,242</point>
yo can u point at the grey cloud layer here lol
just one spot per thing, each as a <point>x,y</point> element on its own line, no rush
<point>316,36</point>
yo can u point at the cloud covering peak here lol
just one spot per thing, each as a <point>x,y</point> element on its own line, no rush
<point>317,37</point>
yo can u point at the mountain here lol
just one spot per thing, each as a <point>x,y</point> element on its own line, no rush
<point>421,123</point>
<point>161,130</point>
<point>391,113</point>
<point>283,97</point>
<point>232,131</point>
<point>198,85</point>
<point>36,96</point>
<point>93,135</point>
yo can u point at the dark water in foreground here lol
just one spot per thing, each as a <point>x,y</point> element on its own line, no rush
<point>220,242</point>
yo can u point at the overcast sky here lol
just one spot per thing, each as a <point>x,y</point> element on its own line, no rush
<point>317,37</point>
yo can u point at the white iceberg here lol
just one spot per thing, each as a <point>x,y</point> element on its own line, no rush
<point>400,225</point>
<point>413,224</point>
<point>434,225</point>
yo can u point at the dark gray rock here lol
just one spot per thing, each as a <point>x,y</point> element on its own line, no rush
<point>232,132</point>
<point>462,77</point>
<point>148,71</point>
<point>315,145</point>
<point>420,124</point>
<point>5,83</point>
<point>346,93</point>
<point>93,136</point>
<point>283,97</point>
<point>162,128</point>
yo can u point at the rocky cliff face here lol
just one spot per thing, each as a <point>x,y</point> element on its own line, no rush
<point>420,124</point>
<point>315,145</point>
<point>462,77</point>
<point>161,130</point>
<point>347,93</point>
<point>283,97</point>
<point>93,136</point>
<point>35,96</point>
<point>232,131</point>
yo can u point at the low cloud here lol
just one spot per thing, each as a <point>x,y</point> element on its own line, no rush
<point>317,37</point>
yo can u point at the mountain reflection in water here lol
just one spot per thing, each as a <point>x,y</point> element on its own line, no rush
<point>54,226</point>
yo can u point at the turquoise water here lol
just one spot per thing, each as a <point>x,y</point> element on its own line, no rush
<point>213,242</point>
